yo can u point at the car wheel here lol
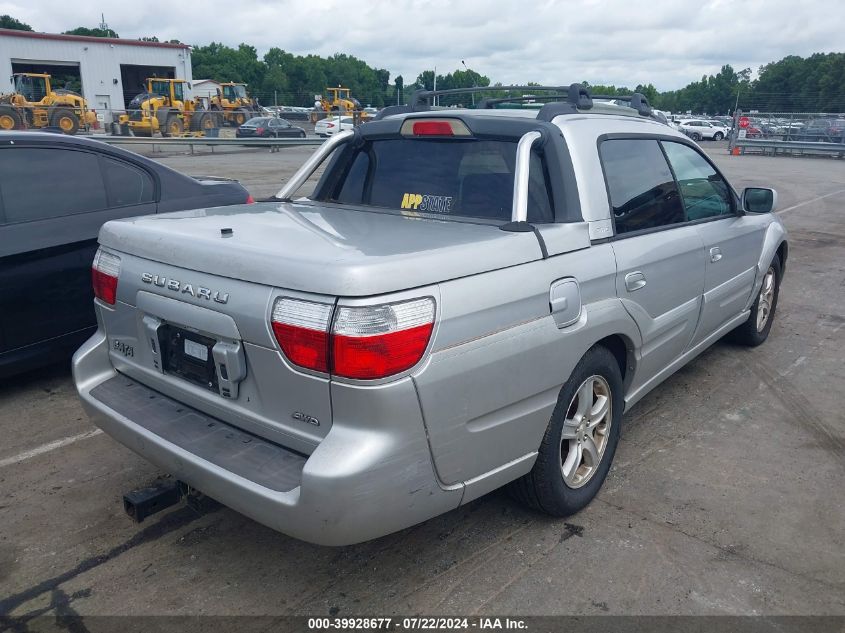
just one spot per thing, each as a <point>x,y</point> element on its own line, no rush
<point>301,134</point>
<point>580,441</point>
<point>756,329</point>
<point>696,136</point>
<point>718,136</point>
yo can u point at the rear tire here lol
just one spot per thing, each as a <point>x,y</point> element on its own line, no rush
<point>241,116</point>
<point>10,119</point>
<point>65,119</point>
<point>580,441</point>
<point>756,329</point>
<point>203,122</point>
<point>302,134</point>
<point>718,136</point>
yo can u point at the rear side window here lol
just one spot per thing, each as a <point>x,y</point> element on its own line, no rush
<point>470,178</point>
<point>41,183</point>
<point>127,184</point>
<point>643,193</point>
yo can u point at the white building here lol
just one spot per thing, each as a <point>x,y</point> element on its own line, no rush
<point>111,71</point>
<point>205,88</point>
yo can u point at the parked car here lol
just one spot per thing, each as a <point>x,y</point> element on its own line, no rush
<point>829,130</point>
<point>55,193</point>
<point>720,127</point>
<point>699,130</point>
<point>328,126</point>
<point>450,311</point>
<point>269,127</point>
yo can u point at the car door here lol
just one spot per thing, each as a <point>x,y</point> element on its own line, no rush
<point>50,235</point>
<point>284,128</point>
<point>659,256</point>
<point>732,240</point>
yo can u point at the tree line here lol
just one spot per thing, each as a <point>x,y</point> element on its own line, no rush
<point>792,84</point>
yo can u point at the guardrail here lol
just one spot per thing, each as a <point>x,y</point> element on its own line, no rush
<point>774,146</point>
<point>272,143</point>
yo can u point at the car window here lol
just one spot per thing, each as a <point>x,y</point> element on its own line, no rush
<point>464,178</point>
<point>643,193</point>
<point>126,184</point>
<point>704,192</point>
<point>40,183</point>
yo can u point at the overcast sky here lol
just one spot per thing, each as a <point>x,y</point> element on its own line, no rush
<point>623,42</point>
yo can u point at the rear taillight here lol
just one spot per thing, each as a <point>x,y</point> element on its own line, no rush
<point>365,343</point>
<point>104,274</point>
<point>378,341</point>
<point>330,125</point>
<point>302,331</point>
<point>249,199</point>
<point>259,130</point>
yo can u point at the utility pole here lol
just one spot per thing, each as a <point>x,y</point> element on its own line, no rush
<point>435,84</point>
<point>472,94</point>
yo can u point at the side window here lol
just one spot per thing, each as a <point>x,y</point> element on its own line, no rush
<point>178,94</point>
<point>643,193</point>
<point>704,192</point>
<point>127,184</point>
<point>41,183</point>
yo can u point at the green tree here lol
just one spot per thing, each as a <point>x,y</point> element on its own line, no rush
<point>96,32</point>
<point>8,22</point>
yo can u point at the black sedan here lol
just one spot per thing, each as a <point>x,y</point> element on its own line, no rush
<point>56,192</point>
<point>269,127</point>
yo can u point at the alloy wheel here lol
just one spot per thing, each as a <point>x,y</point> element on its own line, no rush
<point>767,295</point>
<point>585,432</point>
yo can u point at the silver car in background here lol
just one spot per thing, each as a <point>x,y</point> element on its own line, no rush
<point>468,299</point>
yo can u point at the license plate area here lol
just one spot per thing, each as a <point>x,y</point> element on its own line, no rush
<point>188,355</point>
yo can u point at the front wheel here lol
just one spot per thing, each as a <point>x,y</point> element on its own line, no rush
<point>756,329</point>
<point>580,441</point>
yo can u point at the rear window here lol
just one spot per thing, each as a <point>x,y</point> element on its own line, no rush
<point>469,178</point>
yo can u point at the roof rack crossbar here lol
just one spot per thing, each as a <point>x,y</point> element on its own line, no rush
<point>638,101</point>
<point>489,103</point>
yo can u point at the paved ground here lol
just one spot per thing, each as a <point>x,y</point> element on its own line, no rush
<point>727,496</point>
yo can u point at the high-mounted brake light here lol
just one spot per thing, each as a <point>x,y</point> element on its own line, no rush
<point>104,274</point>
<point>366,343</point>
<point>434,127</point>
<point>302,331</point>
<point>372,342</point>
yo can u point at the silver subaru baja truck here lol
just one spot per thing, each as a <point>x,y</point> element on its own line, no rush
<point>469,298</point>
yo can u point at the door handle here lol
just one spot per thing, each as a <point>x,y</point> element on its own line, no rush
<point>715,254</point>
<point>634,281</point>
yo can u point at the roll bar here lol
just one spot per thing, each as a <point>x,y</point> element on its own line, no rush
<point>310,166</point>
<point>519,212</point>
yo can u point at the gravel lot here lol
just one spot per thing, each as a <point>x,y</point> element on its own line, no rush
<point>727,495</point>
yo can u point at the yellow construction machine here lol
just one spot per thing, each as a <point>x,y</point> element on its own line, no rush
<point>165,108</point>
<point>339,102</point>
<point>232,105</point>
<point>34,104</point>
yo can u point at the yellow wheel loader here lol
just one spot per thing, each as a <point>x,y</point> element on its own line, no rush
<point>231,105</point>
<point>339,102</point>
<point>34,104</point>
<point>164,108</point>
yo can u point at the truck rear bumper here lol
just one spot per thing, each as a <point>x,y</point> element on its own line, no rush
<point>360,483</point>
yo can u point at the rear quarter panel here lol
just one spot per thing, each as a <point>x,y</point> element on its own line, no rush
<point>499,361</point>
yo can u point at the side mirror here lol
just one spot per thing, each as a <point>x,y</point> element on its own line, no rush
<point>759,200</point>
